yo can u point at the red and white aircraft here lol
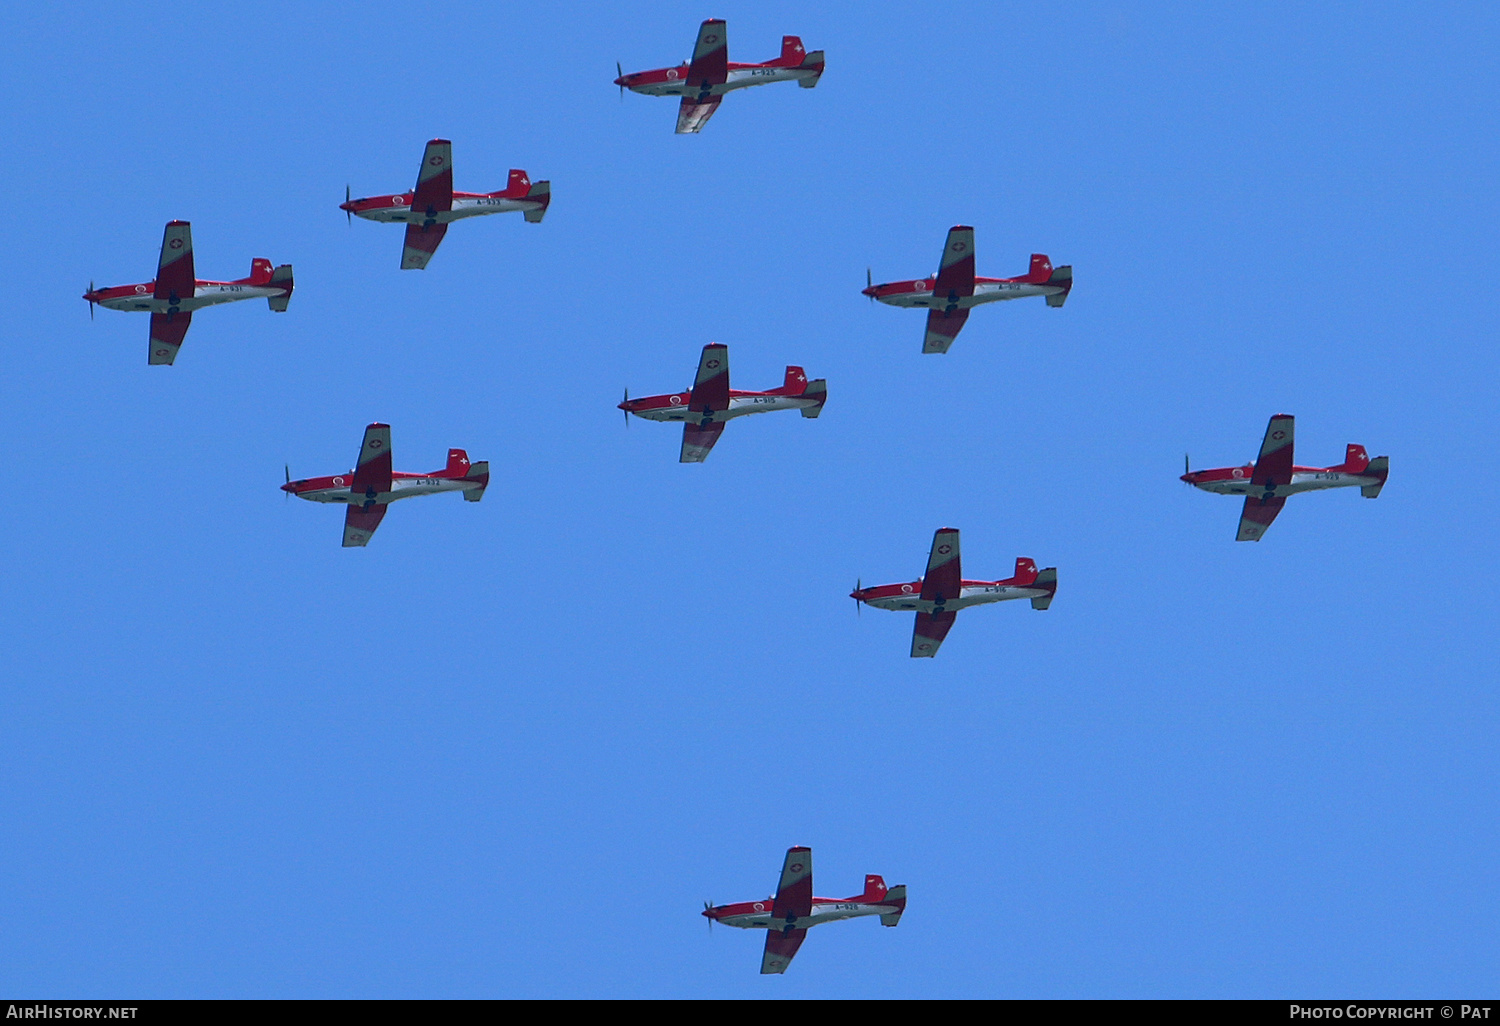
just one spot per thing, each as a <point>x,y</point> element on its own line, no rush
<point>793,910</point>
<point>942,592</point>
<point>954,291</point>
<point>710,403</point>
<point>703,81</point>
<point>1268,481</point>
<point>176,292</point>
<point>373,485</point>
<point>428,210</point>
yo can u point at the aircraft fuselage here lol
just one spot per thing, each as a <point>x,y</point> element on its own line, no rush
<point>465,204</point>
<point>674,81</point>
<point>756,915</point>
<point>205,294</point>
<point>986,290</point>
<point>908,597</point>
<point>678,406</point>
<point>1236,480</point>
<point>403,486</point>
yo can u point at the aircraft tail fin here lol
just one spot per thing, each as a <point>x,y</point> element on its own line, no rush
<point>1025,571</point>
<point>1041,269</point>
<point>479,473</point>
<point>541,192</point>
<point>1355,459</point>
<point>458,464</point>
<point>1061,276</point>
<point>1379,467</point>
<point>875,888</point>
<point>281,277</point>
<point>815,389</point>
<point>260,271</point>
<point>1045,579</point>
<point>895,896</point>
<point>518,185</point>
<point>792,52</point>
<point>795,382</point>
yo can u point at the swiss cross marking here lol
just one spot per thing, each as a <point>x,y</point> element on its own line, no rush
<point>1278,435</point>
<point>943,550</point>
<point>175,244</point>
<point>375,443</point>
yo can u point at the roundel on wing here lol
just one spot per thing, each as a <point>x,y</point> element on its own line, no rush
<point>959,247</point>
<point>906,589</point>
<point>923,647</point>
<point>140,289</point>
<point>376,443</point>
<point>1278,435</point>
<point>1238,472</point>
<point>175,244</point>
<point>434,160</point>
<point>161,352</point>
<point>760,906</point>
<point>712,364</point>
<point>676,400</point>
<point>796,867</point>
<point>710,39</point>
<point>338,480</point>
<point>943,550</point>
<point>672,74</point>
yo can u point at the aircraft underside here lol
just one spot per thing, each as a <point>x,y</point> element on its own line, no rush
<point>462,208</point>
<point>738,79</point>
<point>823,913</point>
<point>739,406</point>
<point>206,296</point>
<point>1301,482</point>
<point>967,598</point>
<point>982,294</point>
<point>401,488</point>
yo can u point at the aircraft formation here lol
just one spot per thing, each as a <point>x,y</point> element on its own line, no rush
<point>948,296</point>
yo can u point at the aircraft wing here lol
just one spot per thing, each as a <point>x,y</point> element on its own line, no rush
<point>929,633</point>
<point>781,948</point>
<point>794,893</point>
<point>421,242</point>
<point>372,475</point>
<point>711,386</point>
<point>956,272</point>
<point>1257,516</point>
<point>693,114</point>
<point>710,65</point>
<point>1275,463</point>
<point>167,332</point>
<point>944,577</point>
<point>360,523</point>
<point>942,329</point>
<point>434,179</point>
<point>698,439</point>
<point>175,277</point>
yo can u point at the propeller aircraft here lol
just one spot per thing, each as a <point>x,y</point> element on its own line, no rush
<point>372,485</point>
<point>432,206</point>
<point>711,403</point>
<point>1268,481</point>
<point>792,910</point>
<point>942,592</point>
<point>176,292</point>
<point>703,81</point>
<point>950,294</point>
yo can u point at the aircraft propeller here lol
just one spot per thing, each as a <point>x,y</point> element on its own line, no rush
<point>869,282</point>
<point>288,480</point>
<point>620,74</point>
<point>708,906</point>
<point>857,603</point>
<point>626,402</point>
<point>1186,469</point>
<point>348,198</point>
<point>91,302</point>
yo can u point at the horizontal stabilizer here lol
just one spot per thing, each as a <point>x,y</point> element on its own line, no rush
<point>812,60</point>
<point>1061,276</point>
<point>818,389</point>
<point>1045,579</point>
<point>1378,467</point>
<point>479,472</point>
<point>541,191</point>
<point>281,278</point>
<point>895,896</point>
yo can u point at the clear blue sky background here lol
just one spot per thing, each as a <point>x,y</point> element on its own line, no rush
<point>509,749</point>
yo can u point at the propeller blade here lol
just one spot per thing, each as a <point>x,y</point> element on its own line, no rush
<point>348,198</point>
<point>91,302</point>
<point>708,906</point>
<point>626,401</point>
<point>620,73</point>
<point>869,282</point>
<point>857,602</point>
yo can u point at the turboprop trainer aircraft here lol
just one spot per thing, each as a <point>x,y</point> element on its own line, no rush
<point>710,403</point>
<point>1268,481</point>
<point>428,210</point>
<point>942,592</point>
<point>703,81</point>
<point>373,485</point>
<point>954,291</point>
<point>793,910</point>
<point>176,292</point>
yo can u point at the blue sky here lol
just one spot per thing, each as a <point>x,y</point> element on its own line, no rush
<point>509,749</point>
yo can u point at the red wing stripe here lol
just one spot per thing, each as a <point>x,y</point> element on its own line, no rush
<point>1275,462</point>
<point>944,578</point>
<point>710,56</point>
<point>929,632</point>
<point>956,272</point>
<point>434,179</point>
<point>167,333</point>
<point>781,948</point>
<point>421,243</point>
<point>174,272</point>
